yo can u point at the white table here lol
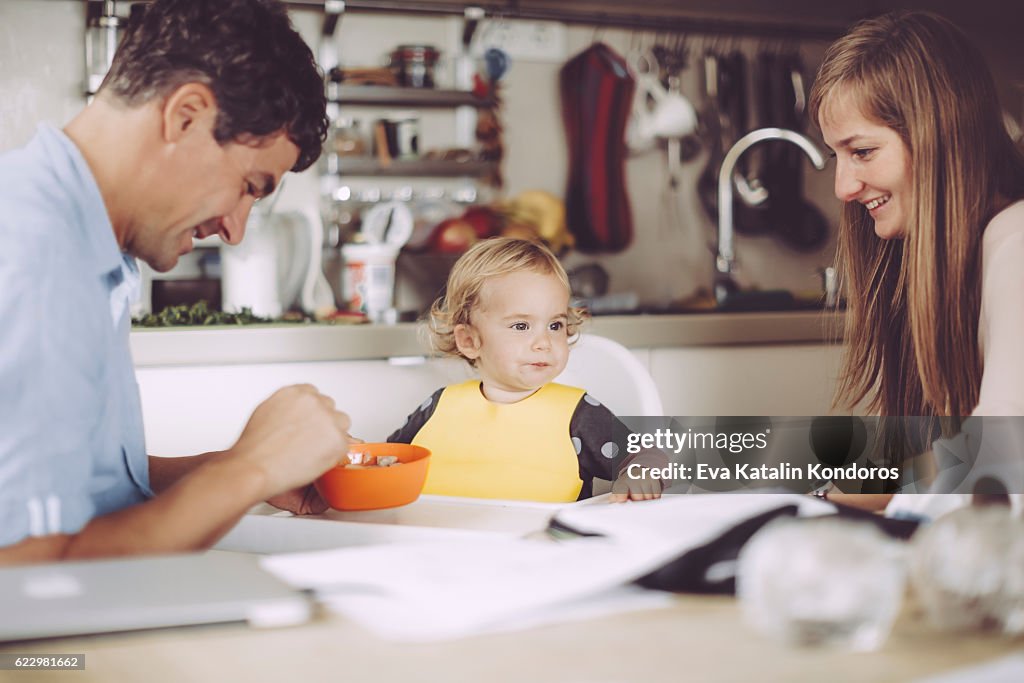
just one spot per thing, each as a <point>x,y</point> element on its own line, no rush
<point>698,638</point>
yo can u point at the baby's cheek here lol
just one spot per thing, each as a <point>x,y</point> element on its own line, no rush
<point>562,361</point>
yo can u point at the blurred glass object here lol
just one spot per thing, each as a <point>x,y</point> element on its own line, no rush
<point>967,569</point>
<point>432,208</point>
<point>821,582</point>
<point>347,138</point>
<point>101,40</point>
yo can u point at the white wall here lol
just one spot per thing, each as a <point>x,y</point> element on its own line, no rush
<point>41,65</point>
<point>782,380</point>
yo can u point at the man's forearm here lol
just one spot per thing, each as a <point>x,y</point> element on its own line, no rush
<point>165,472</point>
<point>192,514</point>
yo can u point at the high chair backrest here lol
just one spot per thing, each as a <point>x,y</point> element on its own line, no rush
<point>613,375</point>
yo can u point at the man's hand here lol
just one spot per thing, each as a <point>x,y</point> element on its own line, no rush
<point>292,438</point>
<point>305,500</point>
<point>302,501</point>
<point>641,488</point>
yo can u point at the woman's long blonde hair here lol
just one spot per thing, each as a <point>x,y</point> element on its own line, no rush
<point>913,304</point>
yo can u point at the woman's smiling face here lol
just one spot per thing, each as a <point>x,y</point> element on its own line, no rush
<point>872,165</point>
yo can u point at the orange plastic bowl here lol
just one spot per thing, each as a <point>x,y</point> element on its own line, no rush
<point>372,488</point>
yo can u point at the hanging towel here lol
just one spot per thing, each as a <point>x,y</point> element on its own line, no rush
<point>597,94</point>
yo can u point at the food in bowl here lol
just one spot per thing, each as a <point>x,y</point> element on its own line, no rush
<point>360,459</point>
<point>357,485</point>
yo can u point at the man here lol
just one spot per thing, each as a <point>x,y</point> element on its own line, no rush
<point>205,108</point>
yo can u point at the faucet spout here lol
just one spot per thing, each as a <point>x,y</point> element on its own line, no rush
<point>725,259</point>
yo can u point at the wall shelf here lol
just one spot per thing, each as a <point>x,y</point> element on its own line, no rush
<point>369,166</point>
<point>371,95</point>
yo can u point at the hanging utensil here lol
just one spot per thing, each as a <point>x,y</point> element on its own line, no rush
<point>640,137</point>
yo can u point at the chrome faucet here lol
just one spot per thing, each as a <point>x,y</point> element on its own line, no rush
<point>725,260</point>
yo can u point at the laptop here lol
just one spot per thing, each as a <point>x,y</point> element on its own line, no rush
<point>104,596</point>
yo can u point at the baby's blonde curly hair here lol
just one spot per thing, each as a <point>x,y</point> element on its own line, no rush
<point>485,260</point>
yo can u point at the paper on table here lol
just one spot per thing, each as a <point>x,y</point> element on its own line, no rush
<point>451,589</point>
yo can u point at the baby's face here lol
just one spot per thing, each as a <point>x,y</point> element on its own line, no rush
<point>518,334</point>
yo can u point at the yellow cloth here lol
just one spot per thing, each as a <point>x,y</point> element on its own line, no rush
<point>516,451</point>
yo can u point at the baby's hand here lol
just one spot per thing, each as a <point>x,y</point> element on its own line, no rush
<point>635,488</point>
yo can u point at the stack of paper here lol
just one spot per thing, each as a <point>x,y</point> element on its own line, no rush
<point>454,588</point>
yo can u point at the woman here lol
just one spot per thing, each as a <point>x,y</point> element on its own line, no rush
<point>931,239</point>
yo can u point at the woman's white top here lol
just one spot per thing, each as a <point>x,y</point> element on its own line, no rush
<point>993,446</point>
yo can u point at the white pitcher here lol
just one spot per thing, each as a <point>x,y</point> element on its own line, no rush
<point>276,263</point>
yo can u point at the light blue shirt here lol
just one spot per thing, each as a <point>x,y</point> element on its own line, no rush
<point>71,438</point>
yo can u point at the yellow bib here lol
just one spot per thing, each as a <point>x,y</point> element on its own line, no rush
<point>516,451</point>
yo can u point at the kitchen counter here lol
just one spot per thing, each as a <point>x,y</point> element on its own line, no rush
<point>297,342</point>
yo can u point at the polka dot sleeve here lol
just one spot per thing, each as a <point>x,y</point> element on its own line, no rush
<point>592,430</point>
<point>596,435</point>
<point>414,423</point>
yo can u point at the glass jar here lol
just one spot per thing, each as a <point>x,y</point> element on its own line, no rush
<point>347,138</point>
<point>822,582</point>
<point>103,34</point>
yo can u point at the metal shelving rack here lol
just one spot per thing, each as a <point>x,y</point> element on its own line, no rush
<point>368,166</point>
<point>375,95</point>
<point>340,94</point>
<point>395,96</point>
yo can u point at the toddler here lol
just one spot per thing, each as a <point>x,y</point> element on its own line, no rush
<point>513,433</point>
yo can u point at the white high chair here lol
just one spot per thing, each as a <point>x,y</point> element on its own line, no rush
<point>613,375</point>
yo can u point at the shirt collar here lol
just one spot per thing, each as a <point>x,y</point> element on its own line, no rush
<point>98,231</point>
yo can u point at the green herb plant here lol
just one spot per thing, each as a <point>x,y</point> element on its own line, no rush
<point>198,313</point>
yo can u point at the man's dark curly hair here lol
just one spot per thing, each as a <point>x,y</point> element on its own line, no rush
<point>261,72</point>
